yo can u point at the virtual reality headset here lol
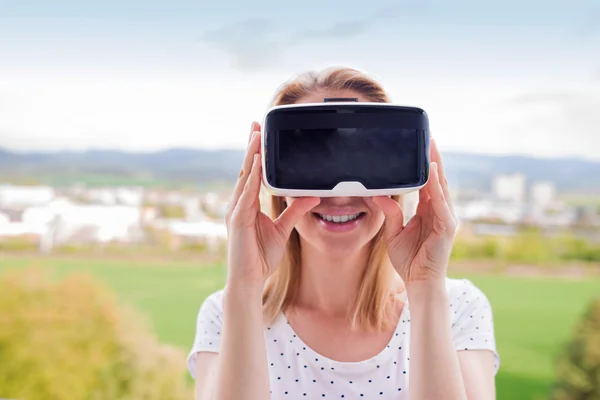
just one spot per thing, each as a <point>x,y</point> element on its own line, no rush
<point>343,147</point>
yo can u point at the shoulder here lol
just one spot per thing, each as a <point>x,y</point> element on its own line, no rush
<point>468,304</point>
<point>215,298</point>
<point>472,318</point>
<point>463,291</point>
<point>213,303</point>
<point>209,321</point>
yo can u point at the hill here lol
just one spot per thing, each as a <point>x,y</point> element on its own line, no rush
<point>193,167</point>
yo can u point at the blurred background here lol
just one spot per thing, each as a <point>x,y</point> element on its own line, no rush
<point>122,129</point>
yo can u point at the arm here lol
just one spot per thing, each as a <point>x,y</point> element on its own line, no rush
<point>256,245</point>
<point>477,367</point>
<point>451,359</point>
<point>435,372</point>
<point>228,359</point>
<point>242,368</point>
<point>420,251</point>
<point>206,372</point>
<point>239,369</point>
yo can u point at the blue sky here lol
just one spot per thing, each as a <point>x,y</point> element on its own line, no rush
<point>495,77</point>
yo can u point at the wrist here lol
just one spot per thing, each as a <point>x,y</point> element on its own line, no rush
<point>430,290</point>
<point>243,291</point>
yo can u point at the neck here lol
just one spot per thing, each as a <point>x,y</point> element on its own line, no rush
<point>328,283</point>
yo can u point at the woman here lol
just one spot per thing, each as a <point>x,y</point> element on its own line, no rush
<point>311,312</point>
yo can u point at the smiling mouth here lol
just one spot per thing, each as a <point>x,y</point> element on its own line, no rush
<point>339,219</point>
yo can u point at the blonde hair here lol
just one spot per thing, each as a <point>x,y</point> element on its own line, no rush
<point>373,308</point>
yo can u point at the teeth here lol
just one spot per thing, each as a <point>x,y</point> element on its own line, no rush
<point>339,218</point>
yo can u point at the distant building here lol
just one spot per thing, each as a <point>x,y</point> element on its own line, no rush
<point>489,210</point>
<point>113,196</point>
<point>96,223</point>
<point>543,195</point>
<point>586,216</point>
<point>509,188</point>
<point>61,221</point>
<point>192,208</point>
<point>211,233</point>
<point>21,197</point>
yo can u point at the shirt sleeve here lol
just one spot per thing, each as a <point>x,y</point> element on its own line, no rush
<point>472,320</point>
<point>208,329</point>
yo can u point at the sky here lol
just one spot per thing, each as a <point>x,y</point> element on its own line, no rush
<point>497,77</point>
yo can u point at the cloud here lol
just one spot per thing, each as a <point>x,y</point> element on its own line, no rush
<point>559,98</point>
<point>566,118</point>
<point>346,29</point>
<point>253,43</point>
<point>259,43</point>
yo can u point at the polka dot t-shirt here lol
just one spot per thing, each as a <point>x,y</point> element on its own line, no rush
<point>298,372</point>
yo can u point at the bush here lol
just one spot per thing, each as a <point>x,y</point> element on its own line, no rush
<point>69,340</point>
<point>572,248</point>
<point>478,248</point>
<point>19,243</point>
<point>171,211</point>
<point>578,367</point>
<point>531,247</point>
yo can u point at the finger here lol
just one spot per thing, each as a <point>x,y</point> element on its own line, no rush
<point>253,128</point>
<point>288,219</point>
<point>438,201</point>
<point>437,158</point>
<point>424,195</point>
<point>393,214</point>
<point>245,171</point>
<point>249,203</point>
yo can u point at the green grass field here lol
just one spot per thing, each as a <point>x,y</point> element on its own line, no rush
<point>533,316</point>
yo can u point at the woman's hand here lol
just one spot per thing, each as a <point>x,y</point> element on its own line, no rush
<point>256,243</point>
<point>420,250</point>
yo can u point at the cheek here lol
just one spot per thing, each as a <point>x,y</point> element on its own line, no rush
<point>378,219</point>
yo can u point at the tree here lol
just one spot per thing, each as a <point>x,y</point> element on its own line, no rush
<point>578,367</point>
<point>70,340</point>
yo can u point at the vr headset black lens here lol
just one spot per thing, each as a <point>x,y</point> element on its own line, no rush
<point>345,149</point>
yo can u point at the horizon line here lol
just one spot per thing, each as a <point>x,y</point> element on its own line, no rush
<point>241,149</point>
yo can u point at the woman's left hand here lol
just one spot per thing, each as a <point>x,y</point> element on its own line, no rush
<point>420,251</point>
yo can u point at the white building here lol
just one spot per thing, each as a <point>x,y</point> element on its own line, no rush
<point>542,195</point>
<point>486,209</point>
<point>12,196</point>
<point>95,223</point>
<point>112,196</point>
<point>510,188</point>
<point>212,233</point>
<point>62,221</point>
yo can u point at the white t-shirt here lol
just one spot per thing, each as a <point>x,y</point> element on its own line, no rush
<point>298,372</point>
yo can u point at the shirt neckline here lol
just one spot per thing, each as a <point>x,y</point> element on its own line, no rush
<point>392,348</point>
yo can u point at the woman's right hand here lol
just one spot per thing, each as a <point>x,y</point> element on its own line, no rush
<point>256,243</point>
